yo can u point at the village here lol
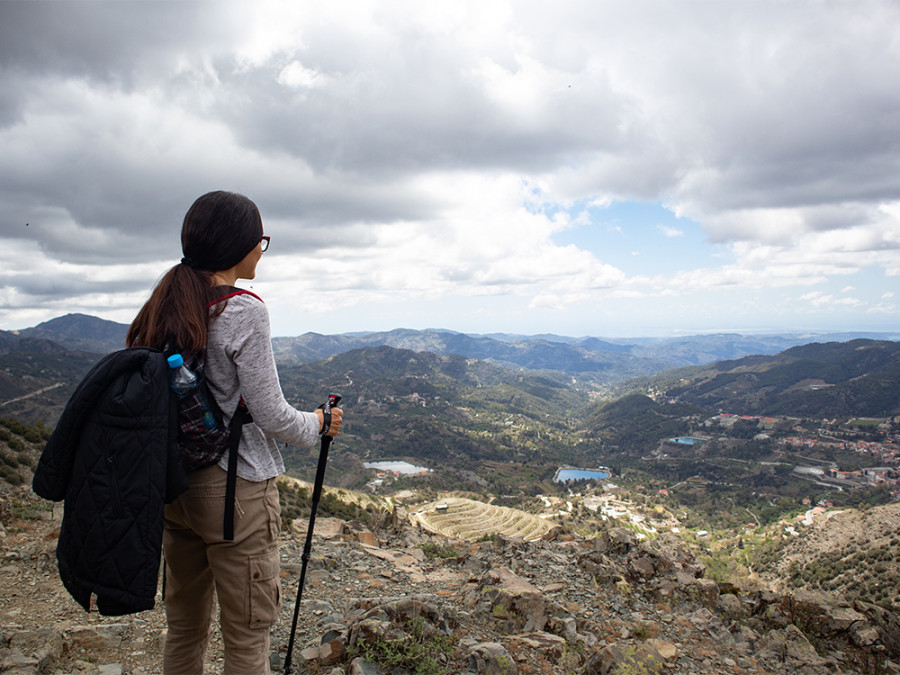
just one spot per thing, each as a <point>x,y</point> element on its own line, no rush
<point>875,441</point>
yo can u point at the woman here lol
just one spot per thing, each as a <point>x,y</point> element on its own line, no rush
<point>222,240</point>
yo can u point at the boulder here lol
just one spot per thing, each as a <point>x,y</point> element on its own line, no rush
<point>514,599</point>
<point>97,636</point>
<point>666,650</point>
<point>332,651</point>
<point>731,605</point>
<point>667,555</point>
<point>372,630</point>
<point>789,646</point>
<point>541,642</point>
<point>35,648</point>
<point>624,659</point>
<point>14,661</point>
<point>704,591</point>
<point>566,627</point>
<point>886,622</point>
<point>839,619</point>
<point>402,610</point>
<point>360,666</point>
<point>356,531</point>
<point>642,567</point>
<point>491,658</point>
<point>327,528</point>
<point>617,540</point>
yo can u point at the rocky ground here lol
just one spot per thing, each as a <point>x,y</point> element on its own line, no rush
<point>558,605</point>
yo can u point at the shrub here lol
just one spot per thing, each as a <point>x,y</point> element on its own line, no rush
<point>10,475</point>
<point>419,651</point>
<point>433,550</point>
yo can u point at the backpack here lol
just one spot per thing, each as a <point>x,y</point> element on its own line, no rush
<point>202,436</point>
<point>200,445</point>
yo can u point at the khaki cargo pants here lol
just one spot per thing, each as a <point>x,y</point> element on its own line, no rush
<point>243,574</point>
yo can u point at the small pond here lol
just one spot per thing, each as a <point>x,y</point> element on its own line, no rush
<point>396,466</point>
<point>565,475</point>
<point>687,440</point>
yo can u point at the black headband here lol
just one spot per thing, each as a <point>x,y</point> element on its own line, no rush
<point>206,259</point>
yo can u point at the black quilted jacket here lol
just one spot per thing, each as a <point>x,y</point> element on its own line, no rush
<point>113,459</point>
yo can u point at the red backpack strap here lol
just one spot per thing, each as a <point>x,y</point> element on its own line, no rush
<point>230,292</point>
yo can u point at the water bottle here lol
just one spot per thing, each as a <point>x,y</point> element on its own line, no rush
<point>182,379</point>
<point>183,382</point>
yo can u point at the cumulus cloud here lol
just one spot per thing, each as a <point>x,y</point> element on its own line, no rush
<point>424,151</point>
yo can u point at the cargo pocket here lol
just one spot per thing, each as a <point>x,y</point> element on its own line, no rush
<point>265,589</point>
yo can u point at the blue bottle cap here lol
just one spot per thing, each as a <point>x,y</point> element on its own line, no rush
<point>175,360</point>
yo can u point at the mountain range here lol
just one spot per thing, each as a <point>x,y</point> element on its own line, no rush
<point>40,366</point>
<point>472,406</point>
<point>609,360</point>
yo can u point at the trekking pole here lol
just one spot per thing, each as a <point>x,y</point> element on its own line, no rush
<point>333,400</point>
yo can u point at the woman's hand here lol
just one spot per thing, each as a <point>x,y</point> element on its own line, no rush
<point>336,416</point>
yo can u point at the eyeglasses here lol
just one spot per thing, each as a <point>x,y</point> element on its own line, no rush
<point>264,240</point>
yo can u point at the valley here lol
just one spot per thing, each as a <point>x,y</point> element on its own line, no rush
<point>813,424</point>
<point>754,463</point>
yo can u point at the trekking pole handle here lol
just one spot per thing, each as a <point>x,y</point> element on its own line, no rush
<point>332,402</point>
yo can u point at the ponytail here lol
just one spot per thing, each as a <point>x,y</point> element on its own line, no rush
<point>177,312</point>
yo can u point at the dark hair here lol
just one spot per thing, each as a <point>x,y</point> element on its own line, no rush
<point>219,230</point>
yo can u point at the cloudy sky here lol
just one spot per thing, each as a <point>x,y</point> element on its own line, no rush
<point>584,168</point>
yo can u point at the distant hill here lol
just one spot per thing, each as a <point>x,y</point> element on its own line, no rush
<point>700,349</point>
<point>635,421</point>
<point>82,332</point>
<point>34,386</point>
<point>14,342</point>
<point>859,377</point>
<point>604,361</point>
<point>41,366</point>
<point>849,379</point>
<point>376,371</point>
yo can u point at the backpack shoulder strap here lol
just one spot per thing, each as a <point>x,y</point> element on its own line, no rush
<point>238,420</point>
<point>223,293</point>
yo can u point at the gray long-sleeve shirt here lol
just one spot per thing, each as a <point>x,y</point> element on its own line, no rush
<point>240,362</point>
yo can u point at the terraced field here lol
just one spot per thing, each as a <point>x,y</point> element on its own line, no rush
<point>470,520</point>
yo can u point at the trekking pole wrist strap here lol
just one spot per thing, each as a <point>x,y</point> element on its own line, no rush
<point>333,400</point>
<point>326,418</point>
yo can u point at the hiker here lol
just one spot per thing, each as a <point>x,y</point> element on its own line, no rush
<point>222,240</point>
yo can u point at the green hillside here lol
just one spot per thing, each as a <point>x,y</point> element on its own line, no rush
<point>451,412</point>
<point>859,377</point>
<point>636,421</point>
<point>35,385</point>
